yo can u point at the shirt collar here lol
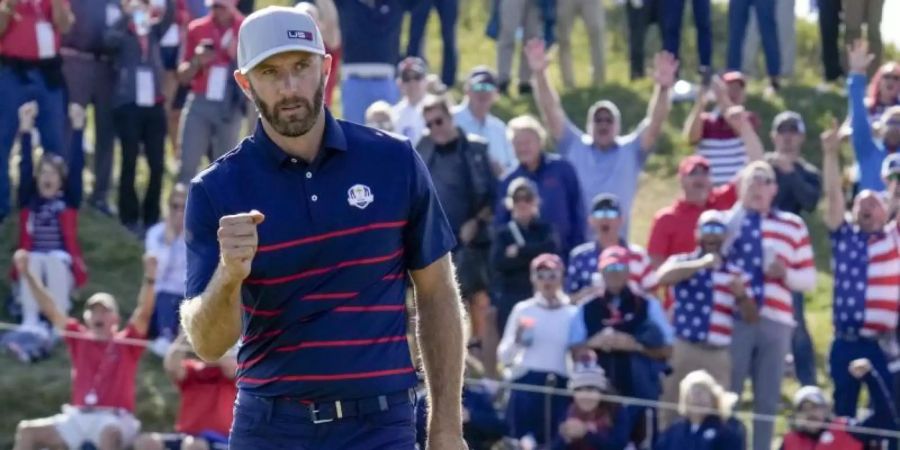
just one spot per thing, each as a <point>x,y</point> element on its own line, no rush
<point>333,138</point>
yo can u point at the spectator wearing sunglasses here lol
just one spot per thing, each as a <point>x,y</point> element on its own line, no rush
<point>774,248</point>
<point>604,160</point>
<point>707,292</point>
<point>474,116</point>
<point>407,113</point>
<point>606,222</point>
<point>870,146</point>
<point>534,351</point>
<point>516,242</point>
<point>866,262</point>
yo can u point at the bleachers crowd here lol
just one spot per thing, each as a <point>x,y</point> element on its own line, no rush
<point>559,296</point>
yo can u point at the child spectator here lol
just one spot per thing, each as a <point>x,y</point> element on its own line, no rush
<point>706,421</point>
<point>380,116</point>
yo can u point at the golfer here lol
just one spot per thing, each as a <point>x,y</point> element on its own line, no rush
<point>302,242</point>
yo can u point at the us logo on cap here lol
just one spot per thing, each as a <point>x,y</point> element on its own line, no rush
<point>360,196</point>
<point>300,34</point>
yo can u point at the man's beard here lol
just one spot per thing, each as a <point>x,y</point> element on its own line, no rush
<point>296,123</point>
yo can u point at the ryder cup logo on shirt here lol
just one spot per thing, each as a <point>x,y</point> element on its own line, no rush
<point>360,196</point>
<point>300,34</point>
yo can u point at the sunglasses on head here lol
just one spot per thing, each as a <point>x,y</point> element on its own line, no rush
<point>483,87</point>
<point>712,229</point>
<point>615,268</point>
<point>547,275</point>
<point>605,214</point>
<point>406,77</point>
<point>434,123</point>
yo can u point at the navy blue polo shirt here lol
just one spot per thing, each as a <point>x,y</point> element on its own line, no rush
<point>323,307</point>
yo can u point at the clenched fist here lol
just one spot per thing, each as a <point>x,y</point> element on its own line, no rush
<point>238,240</point>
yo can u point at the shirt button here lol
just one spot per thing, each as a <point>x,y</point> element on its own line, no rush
<point>315,197</point>
<point>308,175</point>
<point>294,160</point>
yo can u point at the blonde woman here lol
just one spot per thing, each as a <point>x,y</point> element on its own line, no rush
<point>706,423</point>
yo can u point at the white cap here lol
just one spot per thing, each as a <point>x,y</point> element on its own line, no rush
<point>273,30</point>
<point>812,394</point>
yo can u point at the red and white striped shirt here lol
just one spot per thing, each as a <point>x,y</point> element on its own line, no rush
<point>583,265</point>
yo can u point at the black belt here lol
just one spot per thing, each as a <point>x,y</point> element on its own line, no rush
<point>324,412</point>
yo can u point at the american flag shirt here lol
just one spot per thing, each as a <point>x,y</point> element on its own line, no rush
<point>784,235</point>
<point>866,269</point>
<point>704,305</point>
<point>583,265</point>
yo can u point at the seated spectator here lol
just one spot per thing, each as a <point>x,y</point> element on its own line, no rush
<point>707,293</point>
<point>380,116</point>
<point>165,241</point>
<point>866,261</point>
<point>534,351</point>
<point>516,243</point>
<point>101,409</point>
<point>325,13</point>
<point>138,108</point>
<point>474,117</point>
<point>49,197</point>
<point>207,393</point>
<point>592,422</point>
<point>699,427</point>
<point>870,147</point>
<point>606,221</point>
<point>814,425</point>
<point>407,113</point>
<point>773,247</point>
<point>555,178</point>
<point>719,138</point>
<point>883,91</point>
<point>482,426</point>
<point>604,161</point>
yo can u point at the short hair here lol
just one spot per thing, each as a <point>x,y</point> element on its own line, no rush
<point>746,174</point>
<point>432,102</point>
<point>526,122</point>
<point>378,107</point>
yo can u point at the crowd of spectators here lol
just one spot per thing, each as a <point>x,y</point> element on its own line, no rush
<point>560,296</point>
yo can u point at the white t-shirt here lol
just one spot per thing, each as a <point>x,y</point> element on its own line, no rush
<point>171,259</point>
<point>408,120</point>
<point>549,345</point>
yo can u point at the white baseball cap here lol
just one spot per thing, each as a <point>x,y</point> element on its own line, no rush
<point>273,30</point>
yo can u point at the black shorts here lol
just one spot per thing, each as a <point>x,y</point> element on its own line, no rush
<point>169,58</point>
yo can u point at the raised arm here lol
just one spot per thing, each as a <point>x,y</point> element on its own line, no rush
<point>331,26</point>
<point>7,11</point>
<point>62,16</point>
<point>548,101</point>
<point>39,291</point>
<point>27,114</point>
<point>858,60</point>
<point>739,119</point>
<point>174,359</point>
<point>665,68</point>
<point>693,126</point>
<point>834,194</point>
<point>674,271</point>
<point>75,180</point>
<point>442,344</point>
<point>140,318</point>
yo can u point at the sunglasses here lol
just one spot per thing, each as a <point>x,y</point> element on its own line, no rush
<point>615,268</point>
<point>483,87</point>
<point>434,123</point>
<point>605,214</point>
<point>407,77</point>
<point>699,170</point>
<point>176,206</point>
<point>788,128</point>
<point>547,275</point>
<point>712,229</point>
<point>604,119</point>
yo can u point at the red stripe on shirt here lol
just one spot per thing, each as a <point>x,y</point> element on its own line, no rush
<point>334,377</point>
<point>331,235</point>
<point>394,276</point>
<point>886,305</point>
<point>777,304</point>
<point>330,296</point>
<point>344,343</point>
<point>715,328</point>
<point>890,280</point>
<point>805,264</point>
<point>883,257</point>
<point>723,309</point>
<point>262,312</point>
<point>378,308</point>
<point>256,337</point>
<point>323,270</point>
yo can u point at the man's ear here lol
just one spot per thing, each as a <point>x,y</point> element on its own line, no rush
<point>243,82</point>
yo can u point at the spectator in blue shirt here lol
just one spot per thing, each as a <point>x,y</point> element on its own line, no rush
<point>557,183</point>
<point>699,428</point>
<point>310,267</point>
<point>870,147</point>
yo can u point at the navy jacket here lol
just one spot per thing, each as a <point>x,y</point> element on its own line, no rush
<point>713,434</point>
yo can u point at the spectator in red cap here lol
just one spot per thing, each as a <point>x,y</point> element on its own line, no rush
<point>534,350</point>
<point>407,113</point>
<point>719,138</point>
<point>516,242</point>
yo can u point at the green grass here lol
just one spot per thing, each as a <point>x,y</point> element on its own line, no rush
<point>114,257</point>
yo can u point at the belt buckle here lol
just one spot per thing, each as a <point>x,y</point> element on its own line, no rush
<point>314,412</point>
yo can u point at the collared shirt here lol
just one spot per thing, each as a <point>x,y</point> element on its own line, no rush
<point>704,304</point>
<point>493,130</point>
<point>722,146</point>
<point>614,171</point>
<point>22,38</point>
<point>323,308</point>
<point>92,18</point>
<point>866,281</point>
<point>578,333</point>
<point>583,267</point>
<point>777,235</point>
<point>547,331</point>
<point>171,260</point>
<point>561,200</point>
<point>207,399</point>
<point>222,38</point>
<point>103,371</point>
<point>408,120</point>
<point>370,30</point>
<point>674,227</point>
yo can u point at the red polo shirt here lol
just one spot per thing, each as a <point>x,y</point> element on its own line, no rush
<point>207,399</point>
<point>103,372</point>
<point>31,18</point>
<point>223,39</point>
<point>673,229</point>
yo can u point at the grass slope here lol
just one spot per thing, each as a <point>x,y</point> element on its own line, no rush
<point>114,258</point>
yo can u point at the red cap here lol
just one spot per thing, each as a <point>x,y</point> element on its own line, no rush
<point>546,261</point>
<point>613,255</point>
<point>692,162</point>
<point>734,75</point>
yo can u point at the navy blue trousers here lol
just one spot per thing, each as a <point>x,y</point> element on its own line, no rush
<point>526,411</point>
<point>261,424</point>
<point>846,388</point>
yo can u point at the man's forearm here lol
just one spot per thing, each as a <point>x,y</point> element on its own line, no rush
<point>62,17</point>
<point>442,345</point>
<point>212,321</point>
<point>679,271</point>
